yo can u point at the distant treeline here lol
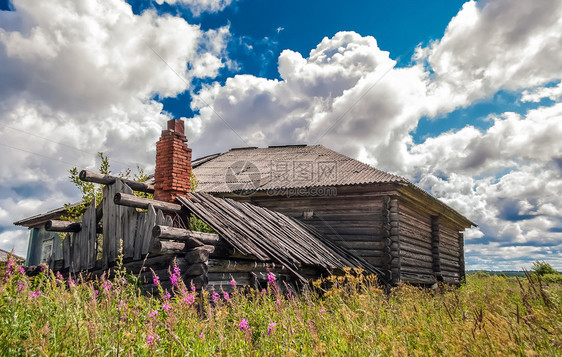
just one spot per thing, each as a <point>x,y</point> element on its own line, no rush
<point>498,272</point>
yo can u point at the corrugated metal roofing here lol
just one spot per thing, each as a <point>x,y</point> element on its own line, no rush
<point>270,235</point>
<point>293,166</point>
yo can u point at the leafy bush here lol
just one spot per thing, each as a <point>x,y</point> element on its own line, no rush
<point>543,268</point>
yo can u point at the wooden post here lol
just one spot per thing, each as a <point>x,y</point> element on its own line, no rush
<point>462,272</point>
<point>395,264</point>
<point>386,257</point>
<point>436,266</point>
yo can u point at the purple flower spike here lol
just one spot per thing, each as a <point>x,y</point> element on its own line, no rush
<point>243,325</point>
<point>271,328</point>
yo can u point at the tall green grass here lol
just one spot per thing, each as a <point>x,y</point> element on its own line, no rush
<point>489,315</point>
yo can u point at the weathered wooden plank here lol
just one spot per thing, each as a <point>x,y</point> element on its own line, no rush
<point>150,222</point>
<point>66,250</point>
<point>90,224</point>
<point>107,226</point>
<point>139,234</point>
<point>160,219</point>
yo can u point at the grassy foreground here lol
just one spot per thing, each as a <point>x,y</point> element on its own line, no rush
<point>49,315</point>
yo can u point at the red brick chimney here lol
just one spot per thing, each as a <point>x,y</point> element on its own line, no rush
<point>172,176</point>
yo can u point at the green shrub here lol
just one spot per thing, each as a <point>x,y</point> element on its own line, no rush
<point>543,268</point>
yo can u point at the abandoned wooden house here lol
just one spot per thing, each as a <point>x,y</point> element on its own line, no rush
<point>295,211</point>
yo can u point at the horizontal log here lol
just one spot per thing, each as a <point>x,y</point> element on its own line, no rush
<point>165,232</point>
<point>417,278</point>
<point>124,199</point>
<point>197,255</point>
<point>62,226</point>
<point>196,270</point>
<point>89,176</point>
<point>66,226</point>
<point>167,247</point>
<point>238,266</point>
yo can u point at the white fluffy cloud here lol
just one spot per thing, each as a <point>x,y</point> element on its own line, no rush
<point>81,77</point>
<point>199,6</point>
<point>347,95</point>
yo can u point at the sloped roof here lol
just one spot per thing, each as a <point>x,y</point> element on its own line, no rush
<point>39,220</point>
<point>270,235</point>
<point>291,166</point>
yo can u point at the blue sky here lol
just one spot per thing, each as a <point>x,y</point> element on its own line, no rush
<point>463,98</point>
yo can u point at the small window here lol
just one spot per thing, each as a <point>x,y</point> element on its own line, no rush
<point>46,250</point>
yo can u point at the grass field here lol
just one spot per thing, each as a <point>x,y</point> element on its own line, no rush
<point>489,315</point>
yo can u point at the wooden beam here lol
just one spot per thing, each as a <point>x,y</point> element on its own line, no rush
<point>62,226</point>
<point>54,225</point>
<point>124,199</point>
<point>165,232</point>
<point>89,176</point>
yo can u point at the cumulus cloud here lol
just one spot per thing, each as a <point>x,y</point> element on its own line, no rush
<point>81,77</point>
<point>199,6</point>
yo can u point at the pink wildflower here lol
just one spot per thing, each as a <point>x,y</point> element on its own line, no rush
<point>243,325</point>
<point>174,279</point>
<point>177,271</point>
<point>322,311</point>
<point>21,270</point>
<point>215,296</point>
<point>153,313</point>
<point>202,336</point>
<point>42,267</point>
<point>167,296</point>
<point>156,280</point>
<point>225,295</point>
<point>271,278</point>
<point>189,299</point>
<point>271,328</point>
<point>71,282</point>
<point>151,339</point>
<point>59,275</point>
<point>106,286</point>
<point>166,307</point>
<point>278,302</point>
<point>20,288</point>
<point>233,283</point>
<point>35,294</point>
<point>122,304</point>
<point>192,287</point>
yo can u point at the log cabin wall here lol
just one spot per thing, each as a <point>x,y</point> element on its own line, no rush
<point>431,245</point>
<point>416,249</point>
<point>353,218</point>
<point>450,253</point>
